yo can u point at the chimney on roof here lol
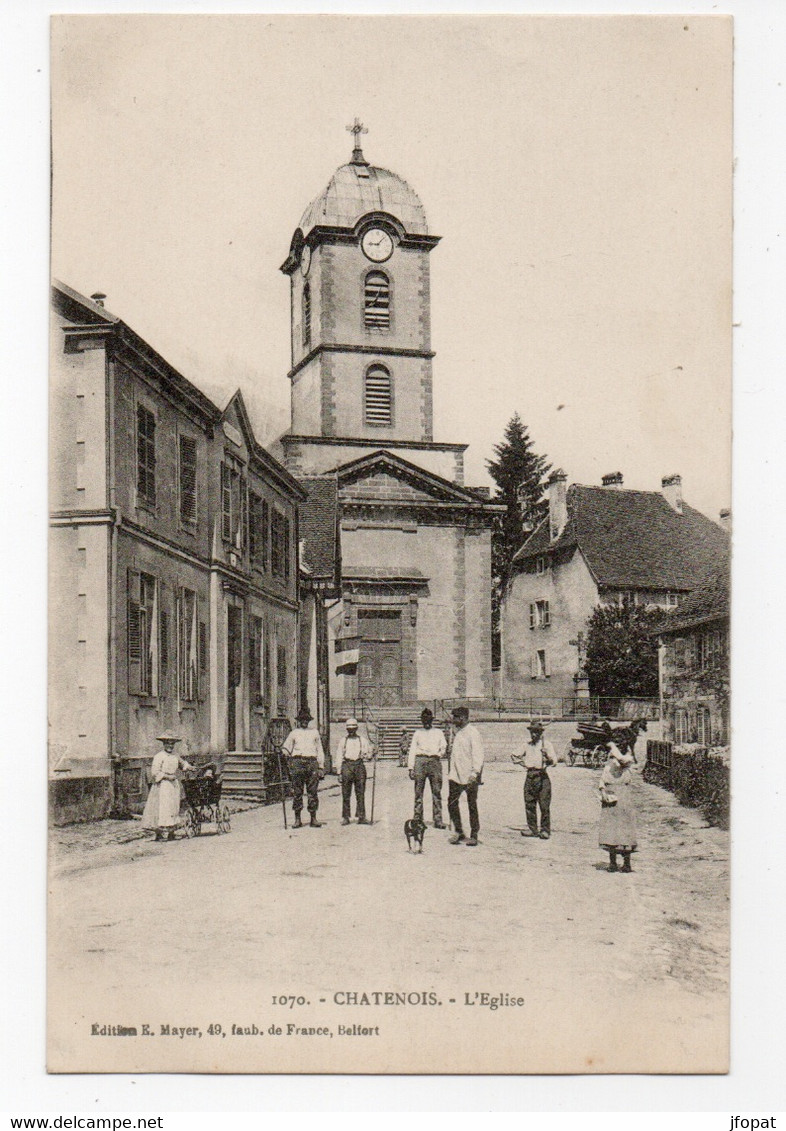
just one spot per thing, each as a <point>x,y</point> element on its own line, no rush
<point>672,491</point>
<point>98,298</point>
<point>725,520</point>
<point>558,503</point>
<point>613,480</point>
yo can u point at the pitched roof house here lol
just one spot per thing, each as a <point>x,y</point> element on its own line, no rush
<point>597,545</point>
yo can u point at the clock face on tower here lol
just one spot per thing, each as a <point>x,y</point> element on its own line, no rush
<point>377,245</point>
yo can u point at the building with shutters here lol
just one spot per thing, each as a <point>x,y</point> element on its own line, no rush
<point>173,566</point>
<point>694,664</point>
<point>597,545</point>
<point>415,540</point>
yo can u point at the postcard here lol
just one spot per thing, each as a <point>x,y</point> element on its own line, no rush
<point>390,432</point>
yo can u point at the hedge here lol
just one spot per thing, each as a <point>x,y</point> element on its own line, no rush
<point>699,778</point>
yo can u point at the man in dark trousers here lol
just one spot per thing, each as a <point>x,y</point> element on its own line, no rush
<point>537,756</point>
<point>303,748</point>
<point>351,757</point>
<point>466,767</point>
<point>426,751</point>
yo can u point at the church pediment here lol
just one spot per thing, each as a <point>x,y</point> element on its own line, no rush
<point>382,477</point>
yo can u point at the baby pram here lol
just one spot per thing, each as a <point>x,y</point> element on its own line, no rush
<point>203,798</point>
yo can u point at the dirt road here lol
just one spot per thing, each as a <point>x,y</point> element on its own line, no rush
<point>614,972</point>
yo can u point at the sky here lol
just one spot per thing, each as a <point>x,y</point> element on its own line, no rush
<point>577,169</point>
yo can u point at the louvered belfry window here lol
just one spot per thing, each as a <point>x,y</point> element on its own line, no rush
<point>379,396</point>
<point>377,300</point>
<point>306,315</point>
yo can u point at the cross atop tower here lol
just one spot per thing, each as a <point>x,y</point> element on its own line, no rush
<point>356,129</point>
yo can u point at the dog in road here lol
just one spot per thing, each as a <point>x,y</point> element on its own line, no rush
<point>413,831</point>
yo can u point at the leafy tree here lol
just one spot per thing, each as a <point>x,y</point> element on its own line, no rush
<point>519,474</point>
<point>622,652</point>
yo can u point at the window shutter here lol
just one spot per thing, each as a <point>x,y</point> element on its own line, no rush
<point>242,538</point>
<point>532,615</point>
<point>307,315</point>
<point>163,646</point>
<point>546,668</point>
<point>134,635</point>
<point>533,667</point>
<point>188,479</point>
<point>379,397</point>
<point>202,674</point>
<point>287,549</point>
<point>226,504</point>
<point>546,615</point>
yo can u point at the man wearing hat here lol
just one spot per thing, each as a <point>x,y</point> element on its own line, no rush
<point>303,748</point>
<point>351,757</point>
<point>426,751</point>
<point>537,756</point>
<point>466,764</point>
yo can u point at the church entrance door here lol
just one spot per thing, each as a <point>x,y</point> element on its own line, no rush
<point>379,665</point>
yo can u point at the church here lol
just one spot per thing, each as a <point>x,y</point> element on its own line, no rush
<point>414,611</point>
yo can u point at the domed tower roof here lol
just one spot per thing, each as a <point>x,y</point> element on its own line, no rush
<point>358,188</point>
<point>355,190</point>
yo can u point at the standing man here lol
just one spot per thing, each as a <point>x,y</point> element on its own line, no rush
<point>537,756</point>
<point>353,753</point>
<point>303,748</point>
<point>426,751</point>
<point>466,764</point>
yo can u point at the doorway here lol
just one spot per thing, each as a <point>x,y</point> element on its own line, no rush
<point>379,663</point>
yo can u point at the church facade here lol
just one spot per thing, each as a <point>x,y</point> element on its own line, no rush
<point>415,604</point>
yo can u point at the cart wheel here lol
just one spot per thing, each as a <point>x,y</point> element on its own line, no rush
<point>572,756</point>
<point>226,821</point>
<point>598,756</point>
<point>191,826</point>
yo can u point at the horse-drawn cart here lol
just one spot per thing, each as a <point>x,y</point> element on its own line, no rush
<point>591,746</point>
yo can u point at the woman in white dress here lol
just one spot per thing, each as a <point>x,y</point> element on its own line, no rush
<point>162,809</point>
<point>617,830</point>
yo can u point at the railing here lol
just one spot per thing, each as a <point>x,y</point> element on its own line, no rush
<point>570,707</point>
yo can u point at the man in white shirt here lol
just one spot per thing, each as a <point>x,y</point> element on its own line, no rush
<point>466,763</point>
<point>351,757</point>
<point>426,751</point>
<point>537,756</point>
<point>303,749</point>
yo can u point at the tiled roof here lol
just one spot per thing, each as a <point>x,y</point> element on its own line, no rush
<point>319,527</point>
<point>634,539</point>
<point>711,601</point>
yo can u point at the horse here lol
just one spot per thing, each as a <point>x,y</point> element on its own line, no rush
<point>625,737</point>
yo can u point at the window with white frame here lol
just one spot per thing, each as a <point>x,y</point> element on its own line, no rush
<point>234,505</point>
<point>188,640</point>
<point>539,665</point>
<point>256,687</point>
<point>279,545</point>
<point>144,634</point>
<point>539,614</point>
<point>145,456</point>
<point>541,563</point>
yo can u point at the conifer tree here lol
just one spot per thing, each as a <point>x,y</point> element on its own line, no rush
<point>519,474</point>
